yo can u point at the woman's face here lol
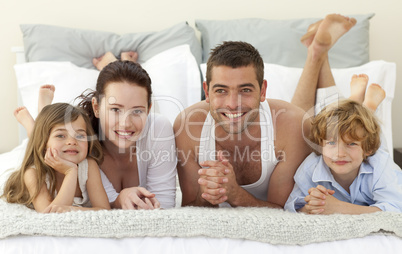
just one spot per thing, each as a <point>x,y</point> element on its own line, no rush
<point>122,113</point>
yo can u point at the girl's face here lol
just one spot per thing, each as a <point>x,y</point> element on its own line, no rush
<point>70,140</point>
<point>122,113</point>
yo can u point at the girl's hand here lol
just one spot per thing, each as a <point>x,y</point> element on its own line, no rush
<point>53,159</point>
<point>137,198</point>
<point>59,209</point>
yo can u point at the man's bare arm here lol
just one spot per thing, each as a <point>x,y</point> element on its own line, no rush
<point>187,133</point>
<point>291,148</point>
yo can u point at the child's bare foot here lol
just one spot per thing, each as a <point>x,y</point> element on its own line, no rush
<point>46,93</point>
<point>331,29</point>
<point>358,86</point>
<point>129,56</point>
<point>308,37</point>
<point>374,96</point>
<point>24,117</point>
<point>101,62</point>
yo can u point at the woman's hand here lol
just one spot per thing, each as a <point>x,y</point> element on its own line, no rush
<point>62,166</point>
<point>137,198</point>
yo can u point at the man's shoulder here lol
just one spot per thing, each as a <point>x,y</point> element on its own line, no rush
<point>284,108</point>
<point>286,116</point>
<point>291,126</point>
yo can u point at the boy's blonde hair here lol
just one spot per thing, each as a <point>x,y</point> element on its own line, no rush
<point>349,120</point>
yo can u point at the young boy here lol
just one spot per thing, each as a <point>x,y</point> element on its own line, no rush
<point>349,172</point>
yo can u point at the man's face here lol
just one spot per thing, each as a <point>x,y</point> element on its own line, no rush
<point>234,96</point>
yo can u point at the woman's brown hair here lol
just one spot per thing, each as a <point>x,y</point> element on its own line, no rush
<point>114,72</point>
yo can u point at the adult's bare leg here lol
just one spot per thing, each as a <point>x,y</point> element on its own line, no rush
<point>129,56</point>
<point>316,72</point>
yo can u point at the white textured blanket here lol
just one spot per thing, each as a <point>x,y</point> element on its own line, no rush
<point>257,224</point>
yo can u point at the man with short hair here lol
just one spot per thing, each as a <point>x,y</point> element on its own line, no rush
<point>238,148</point>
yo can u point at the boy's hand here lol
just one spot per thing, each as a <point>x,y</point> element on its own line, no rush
<point>332,205</point>
<point>317,198</point>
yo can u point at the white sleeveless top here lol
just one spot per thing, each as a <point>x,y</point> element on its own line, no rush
<point>82,182</point>
<point>207,151</point>
<point>156,162</point>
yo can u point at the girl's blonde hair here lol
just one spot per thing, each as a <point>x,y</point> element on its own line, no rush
<point>349,120</point>
<point>15,189</point>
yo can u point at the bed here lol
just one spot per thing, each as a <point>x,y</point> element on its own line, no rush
<point>175,60</point>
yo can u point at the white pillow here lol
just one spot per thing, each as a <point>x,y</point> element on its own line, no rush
<point>282,82</point>
<point>176,81</point>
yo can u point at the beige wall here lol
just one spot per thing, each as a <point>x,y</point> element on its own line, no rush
<point>124,16</point>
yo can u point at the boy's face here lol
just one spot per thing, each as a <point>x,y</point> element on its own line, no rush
<point>343,158</point>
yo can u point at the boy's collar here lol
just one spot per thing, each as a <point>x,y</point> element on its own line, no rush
<point>322,173</point>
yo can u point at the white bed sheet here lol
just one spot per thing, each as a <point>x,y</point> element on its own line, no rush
<point>60,245</point>
<point>376,243</point>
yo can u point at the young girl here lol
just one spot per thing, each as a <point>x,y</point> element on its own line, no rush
<point>59,172</point>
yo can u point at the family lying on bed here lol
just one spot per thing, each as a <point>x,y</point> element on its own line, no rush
<point>236,148</point>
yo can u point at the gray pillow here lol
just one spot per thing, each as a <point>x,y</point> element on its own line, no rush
<point>278,41</point>
<point>53,43</point>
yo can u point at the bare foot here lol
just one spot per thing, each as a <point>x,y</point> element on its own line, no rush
<point>374,96</point>
<point>129,56</point>
<point>46,93</point>
<point>358,86</point>
<point>331,29</point>
<point>308,37</point>
<point>101,62</point>
<point>24,117</point>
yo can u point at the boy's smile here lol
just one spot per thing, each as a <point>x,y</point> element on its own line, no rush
<point>343,158</point>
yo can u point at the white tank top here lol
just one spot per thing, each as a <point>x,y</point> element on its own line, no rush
<point>258,189</point>
<point>82,182</point>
